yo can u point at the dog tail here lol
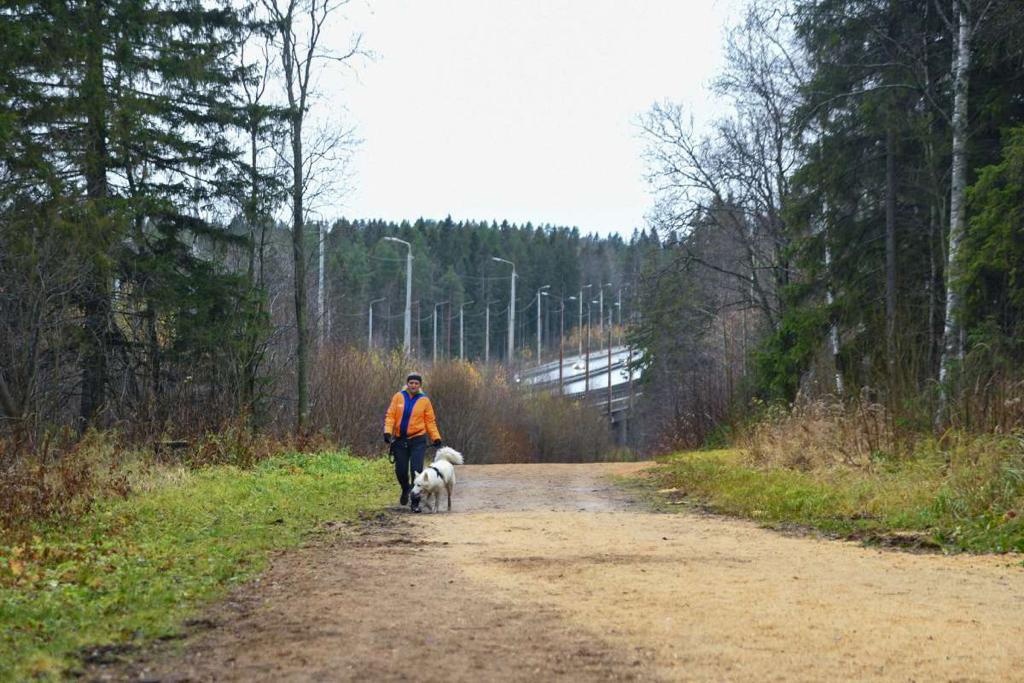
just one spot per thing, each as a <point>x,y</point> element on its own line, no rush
<point>449,454</point>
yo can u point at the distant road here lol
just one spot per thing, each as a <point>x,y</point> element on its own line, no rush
<point>574,372</point>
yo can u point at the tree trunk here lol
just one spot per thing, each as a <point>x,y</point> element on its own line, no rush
<point>833,328</point>
<point>952,345</point>
<point>299,260</point>
<point>890,250</point>
<point>321,294</point>
<point>96,304</point>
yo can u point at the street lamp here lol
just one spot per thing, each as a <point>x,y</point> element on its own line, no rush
<point>442,303</point>
<point>539,292</point>
<point>407,337</point>
<point>487,332</point>
<point>586,371</point>
<point>511,310</point>
<point>600,310</point>
<point>580,319</point>
<point>369,344</point>
<point>619,304</point>
<point>561,342</point>
<point>462,330</point>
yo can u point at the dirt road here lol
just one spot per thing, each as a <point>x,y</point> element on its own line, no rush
<point>549,572</point>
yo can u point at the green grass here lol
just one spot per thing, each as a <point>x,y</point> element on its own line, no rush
<point>132,570</point>
<point>932,499</point>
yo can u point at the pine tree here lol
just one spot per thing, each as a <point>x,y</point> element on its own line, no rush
<point>132,98</point>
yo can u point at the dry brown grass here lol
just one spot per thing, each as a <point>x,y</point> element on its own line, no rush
<point>479,412</point>
<point>62,480</point>
<point>350,392</point>
<point>64,475</point>
<point>824,433</point>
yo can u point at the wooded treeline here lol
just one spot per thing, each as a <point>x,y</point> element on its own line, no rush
<point>453,269</point>
<point>853,226</point>
<point>161,268</point>
<point>116,125</point>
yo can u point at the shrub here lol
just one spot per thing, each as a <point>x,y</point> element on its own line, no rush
<point>62,480</point>
<point>479,411</point>
<point>824,433</point>
<point>350,390</point>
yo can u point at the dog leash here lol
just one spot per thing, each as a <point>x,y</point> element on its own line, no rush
<point>391,450</point>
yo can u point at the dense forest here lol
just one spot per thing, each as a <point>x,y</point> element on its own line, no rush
<point>159,268</point>
<point>454,271</point>
<point>851,228</point>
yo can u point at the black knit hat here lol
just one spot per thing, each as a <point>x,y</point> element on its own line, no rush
<point>416,376</point>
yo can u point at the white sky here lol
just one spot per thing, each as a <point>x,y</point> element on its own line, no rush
<point>502,109</point>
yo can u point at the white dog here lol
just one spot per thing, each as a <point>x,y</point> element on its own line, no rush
<point>440,475</point>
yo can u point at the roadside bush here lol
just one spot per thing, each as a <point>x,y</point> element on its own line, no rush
<point>479,411</point>
<point>824,433</point>
<point>62,480</point>
<point>475,411</point>
<point>132,570</point>
<point>961,493</point>
<point>985,482</point>
<point>566,431</point>
<point>350,391</point>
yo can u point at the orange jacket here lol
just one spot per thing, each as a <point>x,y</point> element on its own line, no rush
<point>419,420</point>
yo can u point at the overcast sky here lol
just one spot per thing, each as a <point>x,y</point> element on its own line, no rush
<point>504,109</point>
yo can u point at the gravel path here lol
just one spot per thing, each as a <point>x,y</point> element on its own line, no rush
<point>551,573</point>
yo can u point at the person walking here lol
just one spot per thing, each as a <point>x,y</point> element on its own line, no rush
<point>408,423</point>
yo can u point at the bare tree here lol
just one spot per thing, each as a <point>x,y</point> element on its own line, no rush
<point>738,175</point>
<point>263,179</point>
<point>41,277</point>
<point>298,27</point>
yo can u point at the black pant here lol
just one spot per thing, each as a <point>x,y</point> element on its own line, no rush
<point>408,452</point>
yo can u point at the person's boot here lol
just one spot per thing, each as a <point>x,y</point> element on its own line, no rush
<point>404,500</point>
<point>414,503</point>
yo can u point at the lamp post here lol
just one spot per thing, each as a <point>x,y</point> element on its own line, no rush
<point>580,319</point>
<point>462,330</point>
<point>619,304</point>
<point>561,344</point>
<point>487,333</point>
<point>511,311</point>
<point>442,303</point>
<point>600,310</point>
<point>407,337</point>
<point>369,343</point>
<point>540,291</point>
<point>586,376</point>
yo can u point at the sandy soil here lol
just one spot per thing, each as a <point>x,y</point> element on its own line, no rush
<point>549,572</point>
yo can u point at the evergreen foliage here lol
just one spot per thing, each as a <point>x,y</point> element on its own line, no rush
<point>452,266</point>
<point>864,207</point>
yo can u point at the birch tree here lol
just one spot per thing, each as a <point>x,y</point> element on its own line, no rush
<point>967,16</point>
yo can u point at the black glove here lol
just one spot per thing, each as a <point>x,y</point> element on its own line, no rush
<point>388,438</point>
<point>437,443</point>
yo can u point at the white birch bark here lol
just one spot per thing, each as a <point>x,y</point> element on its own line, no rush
<point>833,328</point>
<point>952,345</point>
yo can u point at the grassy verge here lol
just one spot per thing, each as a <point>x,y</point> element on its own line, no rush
<point>937,499</point>
<point>132,570</point>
